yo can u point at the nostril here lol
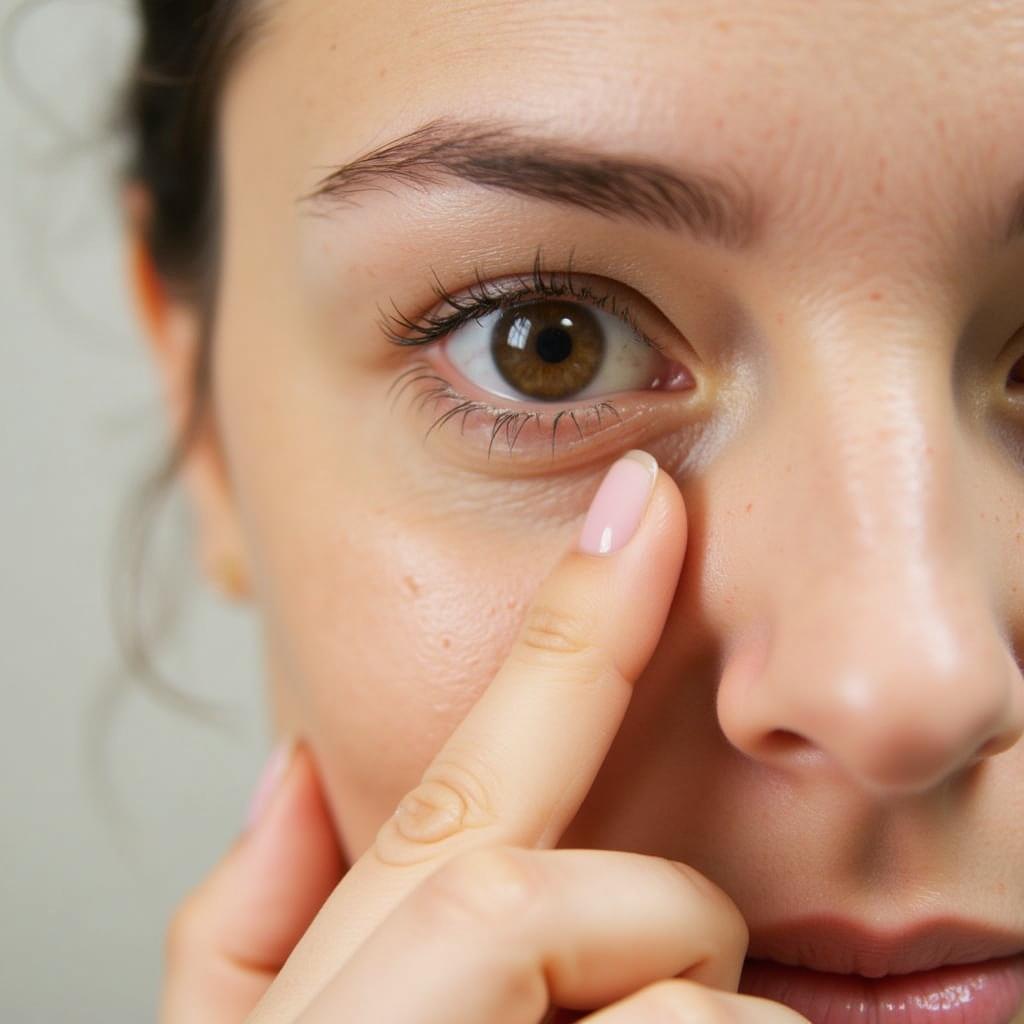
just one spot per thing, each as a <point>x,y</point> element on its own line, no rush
<point>785,744</point>
<point>786,750</point>
<point>997,745</point>
<point>993,746</point>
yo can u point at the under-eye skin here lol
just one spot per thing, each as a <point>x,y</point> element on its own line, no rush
<point>542,339</point>
<point>506,424</point>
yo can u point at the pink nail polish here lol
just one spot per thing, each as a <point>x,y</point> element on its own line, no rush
<point>618,507</point>
<point>272,774</point>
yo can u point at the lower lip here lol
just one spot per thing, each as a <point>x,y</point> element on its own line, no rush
<point>991,992</point>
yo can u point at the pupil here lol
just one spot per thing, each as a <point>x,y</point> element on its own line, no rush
<point>553,344</point>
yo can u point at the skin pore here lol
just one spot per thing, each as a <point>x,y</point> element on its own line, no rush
<point>833,716</point>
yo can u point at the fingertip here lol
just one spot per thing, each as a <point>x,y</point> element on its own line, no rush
<point>307,797</point>
<point>271,779</point>
<point>670,498</point>
<point>293,861</point>
<point>233,932</point>
<point>298,806</point>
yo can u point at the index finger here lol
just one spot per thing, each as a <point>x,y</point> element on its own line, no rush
<point>518,766</point>
<point>520,763</point>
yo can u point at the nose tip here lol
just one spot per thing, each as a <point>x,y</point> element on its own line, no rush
<point>898,708</point>
<point>878,600</point>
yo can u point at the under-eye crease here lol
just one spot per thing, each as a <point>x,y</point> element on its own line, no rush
<point>479,301</point>
<point>510,421</point>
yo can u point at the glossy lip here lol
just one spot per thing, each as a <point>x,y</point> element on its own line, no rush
<point>989,992</point>
<point>837,946</point>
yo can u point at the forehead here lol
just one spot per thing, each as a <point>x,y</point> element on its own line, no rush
<point>822,107</point>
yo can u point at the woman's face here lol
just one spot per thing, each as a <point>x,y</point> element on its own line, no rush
<point>833,714</point>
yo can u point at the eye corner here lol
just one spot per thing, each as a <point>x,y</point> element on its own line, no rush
<point>1015,373</point>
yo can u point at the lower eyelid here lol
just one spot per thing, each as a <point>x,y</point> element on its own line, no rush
<point>526,434</point>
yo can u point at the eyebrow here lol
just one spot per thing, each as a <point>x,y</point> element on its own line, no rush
<point>509,158</point>
<point>512,159</point>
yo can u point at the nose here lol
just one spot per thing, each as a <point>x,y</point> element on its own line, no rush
<point>878,646</point>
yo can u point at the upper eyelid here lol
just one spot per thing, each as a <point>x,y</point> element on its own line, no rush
<point>444,294</point>
<point>493,294</point>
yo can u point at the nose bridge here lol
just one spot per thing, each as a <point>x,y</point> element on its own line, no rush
<point>881,645</point>
<point>875,490</point>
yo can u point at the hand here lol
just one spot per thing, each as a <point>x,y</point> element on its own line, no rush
<point>233,933</point>
<point>461,912</point>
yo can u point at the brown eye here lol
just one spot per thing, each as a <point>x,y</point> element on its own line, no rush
<point>1016,378</point>
<point>548,349</point>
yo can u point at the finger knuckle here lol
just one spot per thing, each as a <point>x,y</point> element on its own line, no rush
<point>680,1001</point>
<point>551,633</point>
<point>769,1011</point>
<point>482,889</point>
<point>730,935</point>
<point>554,630</point>
<point>735,929</point>
<point>454,798</point>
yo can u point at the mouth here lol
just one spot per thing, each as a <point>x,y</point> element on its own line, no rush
<point>836,972</point>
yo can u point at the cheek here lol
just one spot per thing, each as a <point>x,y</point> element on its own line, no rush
<point>383,636</point>
<point>390,589</point>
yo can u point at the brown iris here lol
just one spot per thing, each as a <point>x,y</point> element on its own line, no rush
<point>548,349</point>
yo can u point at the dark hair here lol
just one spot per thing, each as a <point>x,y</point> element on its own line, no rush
<point>168,113</point>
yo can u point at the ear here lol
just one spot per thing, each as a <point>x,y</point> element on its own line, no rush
<point>172,330</point>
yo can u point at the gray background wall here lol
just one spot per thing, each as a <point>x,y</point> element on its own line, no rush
<point>101,831</point>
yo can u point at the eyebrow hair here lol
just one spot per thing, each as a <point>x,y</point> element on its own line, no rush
<point>509,158</point>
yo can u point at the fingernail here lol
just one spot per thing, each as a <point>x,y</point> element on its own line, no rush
<point>273,772</point>
<point>618,507</point>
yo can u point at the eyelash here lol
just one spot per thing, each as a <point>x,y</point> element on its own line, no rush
<point>509,419</point>
<point>480,299</point>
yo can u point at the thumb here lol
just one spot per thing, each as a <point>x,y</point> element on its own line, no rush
<point>233,932</point>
